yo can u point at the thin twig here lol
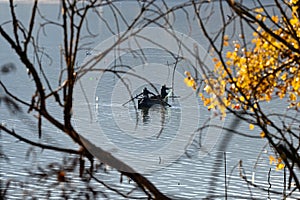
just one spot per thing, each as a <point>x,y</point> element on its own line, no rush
<point>43,146</point>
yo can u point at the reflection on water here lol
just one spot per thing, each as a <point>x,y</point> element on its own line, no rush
<point>163,118</point>
<point>145,115</point>
<point>150,114</point>
<point>139,130</point>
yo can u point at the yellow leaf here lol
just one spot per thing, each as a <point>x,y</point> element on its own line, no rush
<point>206,102</point>
<point>259,10</point>
<point>283,77</point>
<point>189,81</point>
<point>280,94</point>
<point>212,106</point>
<point>293,69</point>
<point>251,126</point>
<point>268,97</point>
<point>294,21</point>
<point>218,64</point>
<point>255,106</point>
<point>242,99</point>
<point>272,160</point>
<point>279,160</point>
<point>215,59</point>
<point>280,166</point>
<point>237,45</point>
<point>228,54</point>
<point>258,17</point>
<point>187,73</point>
<point>275,19</point>
<point>293,97</point>
<point>293,1</point>
<point>227,102</point>
<point>207,89</point>
<point>262,134</point>
<point>226,44</point>
<point>228,63</point>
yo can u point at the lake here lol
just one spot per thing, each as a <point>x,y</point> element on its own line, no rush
<point>162,143</point>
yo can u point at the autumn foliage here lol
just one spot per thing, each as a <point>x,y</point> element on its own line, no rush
<point>267,68</point>
<point>258,69</point>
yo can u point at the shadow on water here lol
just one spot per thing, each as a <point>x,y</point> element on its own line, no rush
<point>218,164</point>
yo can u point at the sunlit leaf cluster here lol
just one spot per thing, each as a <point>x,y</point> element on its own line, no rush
<point>267,69</point>
<point>277,161</point>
